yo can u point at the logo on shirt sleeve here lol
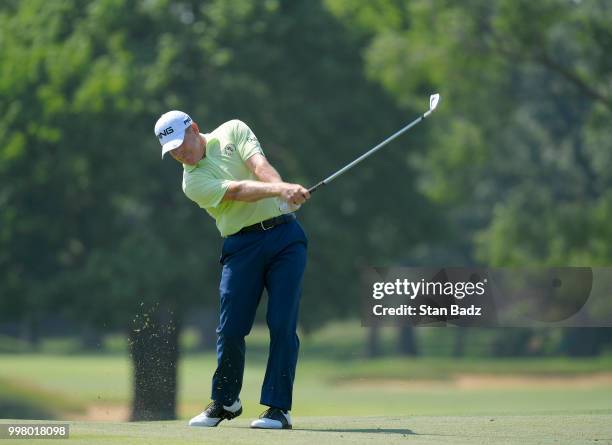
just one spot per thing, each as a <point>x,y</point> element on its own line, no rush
<point>229,149</point>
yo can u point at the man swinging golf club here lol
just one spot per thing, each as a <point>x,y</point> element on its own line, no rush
<point>226,173</point>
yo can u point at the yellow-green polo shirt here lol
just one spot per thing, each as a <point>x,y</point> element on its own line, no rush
<point>227,149</point>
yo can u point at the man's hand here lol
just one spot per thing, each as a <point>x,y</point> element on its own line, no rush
<point>294,193</point>
<point>285,207</point>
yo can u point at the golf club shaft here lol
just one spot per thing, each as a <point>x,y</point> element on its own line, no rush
<point>370,152</point>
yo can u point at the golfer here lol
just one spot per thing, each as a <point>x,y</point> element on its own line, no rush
<point>225,172</point>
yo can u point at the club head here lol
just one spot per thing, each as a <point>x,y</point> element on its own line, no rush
<point>433,101</point>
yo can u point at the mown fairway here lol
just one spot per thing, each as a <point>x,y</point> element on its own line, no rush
<point>349,400</point>
<point>524,430</point>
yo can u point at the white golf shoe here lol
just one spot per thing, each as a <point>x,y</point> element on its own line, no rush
<point>215,412</point>
<point>273,418</point>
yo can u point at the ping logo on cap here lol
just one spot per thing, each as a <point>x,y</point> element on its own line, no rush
<point>170,129</point>
<point>166,132</point>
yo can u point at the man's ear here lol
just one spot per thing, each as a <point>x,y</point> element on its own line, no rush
<point>195,127</point>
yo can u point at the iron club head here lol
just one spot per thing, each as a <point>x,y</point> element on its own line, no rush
<point>433,101</point>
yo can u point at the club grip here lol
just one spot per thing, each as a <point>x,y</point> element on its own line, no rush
<point>315,187</point>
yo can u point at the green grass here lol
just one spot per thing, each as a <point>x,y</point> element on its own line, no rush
<point>27,401</point>
<point>446,368</point>
<point>326,387</point>
<point>89,378</point>
<point>582,428</point>
<point>339,397</point>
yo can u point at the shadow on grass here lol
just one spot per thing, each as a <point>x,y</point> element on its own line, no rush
<point>403,431</point>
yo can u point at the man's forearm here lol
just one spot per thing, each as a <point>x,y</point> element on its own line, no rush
<point>250,191</point>
<point>267,173</point>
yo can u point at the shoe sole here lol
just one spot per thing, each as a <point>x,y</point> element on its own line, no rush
<point>230,416</point>
<point>288,427</point>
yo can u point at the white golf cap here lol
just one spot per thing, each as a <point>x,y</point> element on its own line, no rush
<point>170,129</point>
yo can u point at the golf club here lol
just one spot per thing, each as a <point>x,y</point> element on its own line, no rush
<point>433,103</point>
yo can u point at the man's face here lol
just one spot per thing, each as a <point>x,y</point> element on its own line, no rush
<point>192,148</point>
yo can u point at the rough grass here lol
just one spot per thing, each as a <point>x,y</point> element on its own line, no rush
<point>28,401</point>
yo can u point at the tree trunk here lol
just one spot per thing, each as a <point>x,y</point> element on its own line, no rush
<point>207,327</point>
<point>459,342</point>
<point>154,350</point>
<point>91,339</point>
<point>373,342</point>
<point>406,344</point>
<point>582,342</point>
<point>30,331</point>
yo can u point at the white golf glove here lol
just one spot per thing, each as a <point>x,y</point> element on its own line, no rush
<point>286,207</point>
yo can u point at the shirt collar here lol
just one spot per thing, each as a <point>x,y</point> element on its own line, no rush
<point>190,168</point>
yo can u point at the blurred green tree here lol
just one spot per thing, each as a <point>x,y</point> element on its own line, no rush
<point>523,140</point>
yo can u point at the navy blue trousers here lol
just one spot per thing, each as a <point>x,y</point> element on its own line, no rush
<point>274,259</point>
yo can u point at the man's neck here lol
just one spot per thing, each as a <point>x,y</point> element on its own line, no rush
<point>204,141</point>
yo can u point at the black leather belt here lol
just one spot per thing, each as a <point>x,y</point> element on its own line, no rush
<point>268,223</point>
